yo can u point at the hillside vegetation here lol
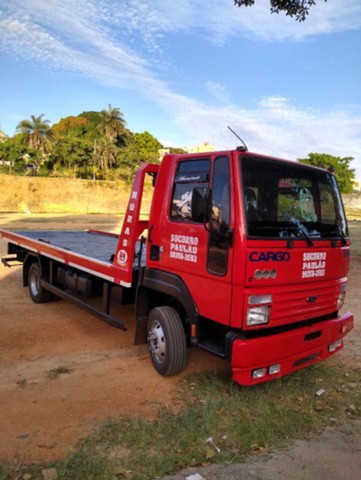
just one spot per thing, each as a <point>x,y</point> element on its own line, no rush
<point>92,145</point>
<point>23,194</point>
<point>59,195</point>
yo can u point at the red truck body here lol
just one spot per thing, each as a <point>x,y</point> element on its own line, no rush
<point>246,256</point>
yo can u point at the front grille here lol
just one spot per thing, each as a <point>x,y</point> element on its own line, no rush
<point>293,303</point>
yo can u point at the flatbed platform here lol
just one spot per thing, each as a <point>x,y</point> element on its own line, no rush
<point>98,246</point>
<point>91,251</point>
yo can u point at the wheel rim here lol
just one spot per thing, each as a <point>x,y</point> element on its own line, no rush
<point>156,342</point>
<point>34,282</point>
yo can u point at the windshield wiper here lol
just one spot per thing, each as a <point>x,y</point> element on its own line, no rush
<point>302,229</point>
<point>342,236</point>
<point>340,233</point>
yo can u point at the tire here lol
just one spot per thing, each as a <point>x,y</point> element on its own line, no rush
<point>37,293</point>
<point>166,341</point>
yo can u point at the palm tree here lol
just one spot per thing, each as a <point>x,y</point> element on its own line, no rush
<point>106,153</point>
<point>38,133</point>
<point>112,123</point>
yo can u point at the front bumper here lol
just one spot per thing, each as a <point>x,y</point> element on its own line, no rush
<point>292,350</point>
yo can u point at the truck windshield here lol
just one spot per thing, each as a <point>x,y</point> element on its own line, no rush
<point>286,200</point>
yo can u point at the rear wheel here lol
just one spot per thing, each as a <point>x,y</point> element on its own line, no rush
<point>38,293</point>
<point>166,341</point>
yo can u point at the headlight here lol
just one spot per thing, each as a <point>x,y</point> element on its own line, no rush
<point>340,300</point>
<point>259,311</point>
<point>258,315</point>
<point>341,295</point>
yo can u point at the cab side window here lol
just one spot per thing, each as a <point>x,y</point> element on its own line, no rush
<point>219,243</point>
<point>190,174</point>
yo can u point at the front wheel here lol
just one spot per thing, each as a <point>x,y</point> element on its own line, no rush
<point>166,341</point>
<point>37,292</point>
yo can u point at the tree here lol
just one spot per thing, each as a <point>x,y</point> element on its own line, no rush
<point>299,9</point>
<point>37,132</point>
<point>92,126</point>
<point>141,148</point>
<point>72,152</point>
<point>72,145</point>
<point>70,126</point>
<point>91,144</point>
<point>3,137</point>
<point>177,150</point>
<point>12,151</point>
<point>106,153</point>
<point>340,167</point>
<point>112,123</point>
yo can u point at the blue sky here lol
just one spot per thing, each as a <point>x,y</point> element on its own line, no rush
<point>185,70</point>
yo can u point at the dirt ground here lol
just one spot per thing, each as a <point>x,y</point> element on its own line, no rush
<point>42,418</point>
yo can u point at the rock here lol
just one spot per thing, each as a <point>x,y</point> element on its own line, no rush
<point>49,473</point>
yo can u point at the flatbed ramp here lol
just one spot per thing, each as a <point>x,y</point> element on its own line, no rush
<point>91,244</point>
<point>89,251</point>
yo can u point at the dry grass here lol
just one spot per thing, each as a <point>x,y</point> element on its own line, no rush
<point>59,195</point>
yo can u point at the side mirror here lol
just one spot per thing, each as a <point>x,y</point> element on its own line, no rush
<point>201,205</point>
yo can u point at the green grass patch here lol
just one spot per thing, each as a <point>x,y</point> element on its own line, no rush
<point>7,471</point>
<point>241,421</point>
<point>56,372</point>
<point>86,464</point>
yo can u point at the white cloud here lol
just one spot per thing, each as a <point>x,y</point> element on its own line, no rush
<point>218,91</point>
<point>98,39</point>
<point>220,20</point>
<point>275,127</point>
<point>76,33</point>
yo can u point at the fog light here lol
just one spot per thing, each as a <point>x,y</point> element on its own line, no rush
<point>335,345</point>
<point>274,369</point>
<point>259,373</point>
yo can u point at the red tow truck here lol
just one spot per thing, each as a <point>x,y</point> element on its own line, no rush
<point>246,256</point>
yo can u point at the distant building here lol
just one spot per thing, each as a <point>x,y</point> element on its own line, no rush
<point>357,186</point>
<point>162,152</point>
<point>205,147</point>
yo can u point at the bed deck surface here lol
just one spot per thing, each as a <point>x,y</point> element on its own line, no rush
<point>89,244</point>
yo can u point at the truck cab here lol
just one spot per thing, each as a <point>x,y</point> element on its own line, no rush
<point>256,250</point>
